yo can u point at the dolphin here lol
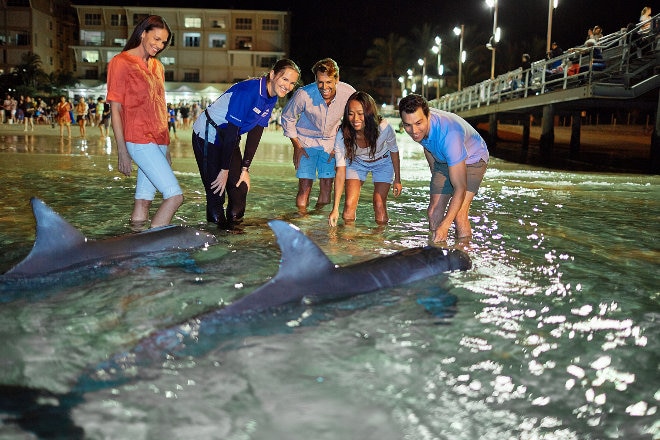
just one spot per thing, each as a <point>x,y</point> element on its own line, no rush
<point>59,246</point>
<point>306,276</point>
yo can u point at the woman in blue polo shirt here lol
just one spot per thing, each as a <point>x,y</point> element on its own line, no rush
<point>244,108</point>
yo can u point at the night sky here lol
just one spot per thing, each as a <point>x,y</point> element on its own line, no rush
<point>344,30</point>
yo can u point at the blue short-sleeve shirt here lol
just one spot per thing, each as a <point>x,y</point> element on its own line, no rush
<point>245,104</point>
<point>451,139</point>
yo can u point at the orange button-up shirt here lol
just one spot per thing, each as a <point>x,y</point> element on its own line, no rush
<point>140,89</point>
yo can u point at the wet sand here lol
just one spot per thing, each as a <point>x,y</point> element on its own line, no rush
<point>610,148</point>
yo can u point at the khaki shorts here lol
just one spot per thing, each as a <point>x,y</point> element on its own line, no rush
<point>440,183</point>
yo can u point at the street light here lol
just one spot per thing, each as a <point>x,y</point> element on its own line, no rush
<point>495,38</point>
<point>422,63</point>
<point>552,5</point>
<point>460,32</point>
<point>413,85</point>
<point>402,80</point>
<point>437,49</point>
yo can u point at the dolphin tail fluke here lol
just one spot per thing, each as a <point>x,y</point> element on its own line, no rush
<point>300,256</point>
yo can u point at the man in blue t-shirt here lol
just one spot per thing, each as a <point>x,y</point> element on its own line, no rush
<point>457,156</point>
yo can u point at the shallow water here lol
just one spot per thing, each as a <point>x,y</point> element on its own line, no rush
<point>553,334</point>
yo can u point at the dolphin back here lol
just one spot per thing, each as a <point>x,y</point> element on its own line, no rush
<point>59,245</point>
<point>55,237</point>
<point>301,257</point>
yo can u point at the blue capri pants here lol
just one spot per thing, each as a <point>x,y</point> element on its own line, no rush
<point>154,171</point>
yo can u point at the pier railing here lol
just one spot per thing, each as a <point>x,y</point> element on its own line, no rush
<point>613,66</point>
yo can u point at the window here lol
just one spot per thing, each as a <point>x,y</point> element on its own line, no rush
<point>191,76</point>
<point>91,74</point>
<point>169,75</point>
<point>137,18</point>
<point>91,38</point>
<point>118,20</point>
<point>92,19</point>
<point>243,23</point>
<point>90,56</point>
<point>191,39</point>
<point>192,22</point>
<point>218,23</point>
<point>270,24</point>
<point>244,43</point>
<point>23,39</point>
<point>167,61</point>
<point>111,54</point>
<point>218,40</point>
<point>267,61</point>
<point>119,42</point>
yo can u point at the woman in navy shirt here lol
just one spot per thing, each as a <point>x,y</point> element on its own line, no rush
<point>244,108</point>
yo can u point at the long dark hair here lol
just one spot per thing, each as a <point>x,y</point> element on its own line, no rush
<point>371,122</point>
<point>147,24</point>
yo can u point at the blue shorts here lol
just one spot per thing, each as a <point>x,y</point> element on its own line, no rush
<point>316,162</point>
<point>154,171</point>
<point>440,183</point>
<point>381,170</point>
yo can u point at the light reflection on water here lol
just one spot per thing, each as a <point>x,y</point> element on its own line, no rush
<point>553,334</point>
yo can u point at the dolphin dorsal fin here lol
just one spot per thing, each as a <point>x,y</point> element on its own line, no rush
<point>52,231</point>
<point>301,258</point>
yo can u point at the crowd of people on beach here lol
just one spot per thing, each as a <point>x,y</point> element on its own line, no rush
<point>337,134</point>
<point>25,111</point>
<point>28,111</point>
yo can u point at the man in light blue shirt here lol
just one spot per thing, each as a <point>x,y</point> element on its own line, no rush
<point>311,120</point>
<point>457,156</point>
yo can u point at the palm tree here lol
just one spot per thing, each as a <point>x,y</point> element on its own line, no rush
<point>30,73</point>
<point>387,58</point>
<point>421,42</point>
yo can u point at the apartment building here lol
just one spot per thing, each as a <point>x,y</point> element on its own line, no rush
<point>211,48</point>
<point>44,27</point>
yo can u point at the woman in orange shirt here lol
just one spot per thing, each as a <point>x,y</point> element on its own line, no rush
<point>63,116</point>
<point>136,93</point>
